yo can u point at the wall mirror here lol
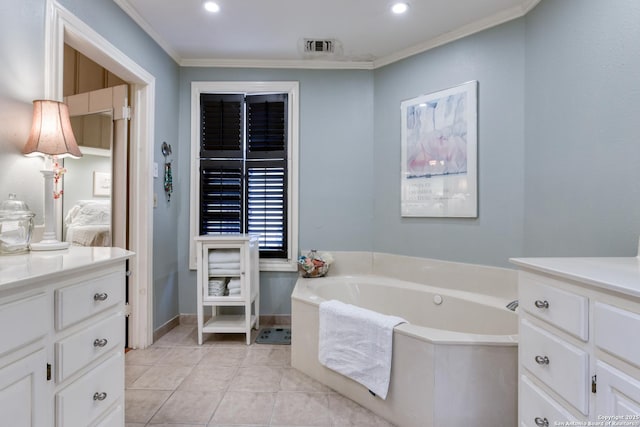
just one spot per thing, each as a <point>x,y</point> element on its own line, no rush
<point>86,201</point>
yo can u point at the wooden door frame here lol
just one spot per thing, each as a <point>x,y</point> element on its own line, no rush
<point>61,27</point>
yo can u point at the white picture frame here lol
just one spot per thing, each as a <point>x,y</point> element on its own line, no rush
<point>439,138</point>
<point>101,184</point>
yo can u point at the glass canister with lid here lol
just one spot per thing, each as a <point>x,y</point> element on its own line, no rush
<point>16,226</point>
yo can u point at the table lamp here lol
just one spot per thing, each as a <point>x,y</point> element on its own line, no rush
<point>51,137</point>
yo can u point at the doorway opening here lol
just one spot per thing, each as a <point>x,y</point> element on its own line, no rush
<point>64,27</point>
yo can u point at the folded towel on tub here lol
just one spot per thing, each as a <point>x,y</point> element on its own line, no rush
<point>357,343</point>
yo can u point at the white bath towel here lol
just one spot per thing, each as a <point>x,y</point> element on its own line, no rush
<point>224,255</point>
<point>357,343</point>
<point>224,265</point>
<point>234,283</point>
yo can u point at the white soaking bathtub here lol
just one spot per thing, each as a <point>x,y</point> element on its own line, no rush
<point>454,364</point>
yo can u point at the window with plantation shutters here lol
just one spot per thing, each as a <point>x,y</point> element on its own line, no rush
<point>243,168</point>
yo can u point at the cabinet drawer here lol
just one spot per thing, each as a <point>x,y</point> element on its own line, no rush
<point>77,302</point>
<point>562,366</point>
<point>562,309</point>
<point>80,349</point>
<point>90,396</point>
<point>23,321</point>
<point>616,331</point>
<point>536,406</point>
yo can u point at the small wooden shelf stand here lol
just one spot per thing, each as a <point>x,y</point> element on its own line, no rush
<point>228,258</point>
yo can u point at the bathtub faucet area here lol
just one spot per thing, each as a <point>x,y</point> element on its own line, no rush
<point>513,305</point>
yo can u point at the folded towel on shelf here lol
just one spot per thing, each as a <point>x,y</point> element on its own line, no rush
<point>222,272</point>
<point>234,284</point>
<point>224,265</point>
<point>357,343</point>
<point>234,291</point>
<point>224,255</point>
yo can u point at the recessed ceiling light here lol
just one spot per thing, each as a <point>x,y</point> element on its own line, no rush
<point>211,6</point>
<point>399,8</point>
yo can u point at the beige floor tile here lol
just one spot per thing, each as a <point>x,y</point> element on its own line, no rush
<point>245,408</point>
<point>268,356</point>
<point>208,378</point>
<point>294,380</point>
<point>134,425</point>
<point>347,413</point>
<point>174,425</point>
<point>182,356</point>
<point>176,336</point>
<point>188,407</point>
<point>162,378</point>
<point>223,355</point>
<point>133,372</point>
<point>148,356</point>
<point>301,409</point>
<point>257,378</point>
<point>141,405</point>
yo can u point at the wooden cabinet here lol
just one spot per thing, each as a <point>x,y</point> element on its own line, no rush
<point>579,353</point>
<point>228,276</point>
<point>62,338</point>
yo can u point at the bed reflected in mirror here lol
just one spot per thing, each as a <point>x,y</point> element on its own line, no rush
<point>86,204</point>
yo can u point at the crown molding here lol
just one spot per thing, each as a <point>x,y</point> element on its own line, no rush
<point>146,27</point>
<point>467,30</point>
<point>278,63</point>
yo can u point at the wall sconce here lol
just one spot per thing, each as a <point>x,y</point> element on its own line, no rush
<point>51,137</point>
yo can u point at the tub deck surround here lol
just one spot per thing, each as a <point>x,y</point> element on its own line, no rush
<point>454,364</point>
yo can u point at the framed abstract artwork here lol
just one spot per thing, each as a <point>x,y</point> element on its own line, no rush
<point>439,137</point>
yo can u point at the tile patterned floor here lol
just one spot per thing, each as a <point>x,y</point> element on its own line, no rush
<point>224,382</point>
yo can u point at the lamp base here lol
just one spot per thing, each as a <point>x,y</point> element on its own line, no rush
<point>49,245</point>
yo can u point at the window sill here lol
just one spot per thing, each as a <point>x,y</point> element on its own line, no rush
<point>278,265</point>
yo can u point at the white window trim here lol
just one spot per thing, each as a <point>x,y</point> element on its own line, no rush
<point>292,88</point>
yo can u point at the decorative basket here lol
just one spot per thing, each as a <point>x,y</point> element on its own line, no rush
<point>317,271</point>
<point>314,264</point>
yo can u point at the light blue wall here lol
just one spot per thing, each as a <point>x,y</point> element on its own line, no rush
<point>336,172</point>
<point>582,182</point>
<point>22,80</point>
<point>495,58</point>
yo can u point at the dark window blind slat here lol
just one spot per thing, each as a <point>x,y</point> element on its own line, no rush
<point>221,126</point>
<point>267,207</point>
<point>267,126</point>
<point>221,197</point>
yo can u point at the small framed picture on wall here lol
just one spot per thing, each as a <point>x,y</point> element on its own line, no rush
<point>101,184</point>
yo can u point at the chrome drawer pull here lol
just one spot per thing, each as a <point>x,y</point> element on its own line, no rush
<point>100,297</point>
<point>542,360</point>
<point>100,342</point>
<point>542,422</point>
<point>100,396</point>
<point>542,304</point>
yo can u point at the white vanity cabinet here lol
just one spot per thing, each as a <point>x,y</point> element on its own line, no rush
<point>579,346</point>
<point>228,276</point>
<point>62,332</point>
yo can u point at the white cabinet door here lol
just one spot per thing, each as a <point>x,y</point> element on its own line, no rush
<point>23,391</point>
<point>618,395</point>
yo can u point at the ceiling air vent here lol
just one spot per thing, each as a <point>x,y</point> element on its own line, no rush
<point>319,46</point>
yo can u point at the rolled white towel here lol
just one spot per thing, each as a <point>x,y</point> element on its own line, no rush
<point>234,285</point>
<point>234,291</point>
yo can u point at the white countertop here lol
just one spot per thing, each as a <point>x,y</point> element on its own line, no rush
<point>16,270</point>
<point>614,274</point>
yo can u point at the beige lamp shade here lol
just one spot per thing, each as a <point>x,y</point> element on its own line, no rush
<point>51,132</point>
